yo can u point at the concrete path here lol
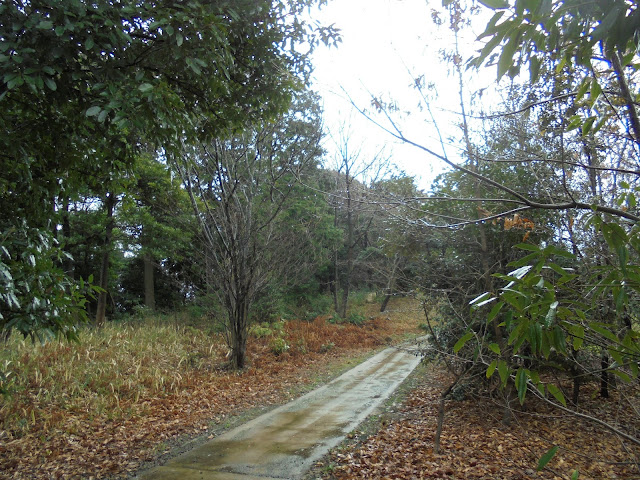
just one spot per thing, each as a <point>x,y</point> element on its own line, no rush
<point>285,442</point>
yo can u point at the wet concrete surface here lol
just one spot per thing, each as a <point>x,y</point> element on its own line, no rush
<point>285,442</point>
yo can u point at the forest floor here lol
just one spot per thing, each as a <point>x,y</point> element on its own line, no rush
<point>477,444</point>
<point>129,396</point>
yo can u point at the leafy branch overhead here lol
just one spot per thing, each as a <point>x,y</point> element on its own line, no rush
<point>541,35</point>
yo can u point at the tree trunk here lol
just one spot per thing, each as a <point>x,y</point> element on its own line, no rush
<point>390,284</point>
<point>576,386</point>
<point>385,302</point>
<point>604,375</point>
<point>239,335</point>
<point>67,263</point>
<point>109,205</point>
<point>149,287</point>
<point>335,284</point>
<point>350,248</point>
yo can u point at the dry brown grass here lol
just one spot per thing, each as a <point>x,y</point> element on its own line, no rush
<point>103,406</point>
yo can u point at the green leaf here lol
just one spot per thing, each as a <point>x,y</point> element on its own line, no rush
<point>491,26</point>
<point>506,57</point>
<point>528,246</point>
<point>586,127</point>
<point>534,69</point>
<point>546,458</point>
<point>606,25</point>
<point>551,314</point>
<point>559,340</point>
<point>545,344</point>
<point>51,84</point>
<point>521,384</point>
<point>503,370</point>
<point>492,368</point>
<point>584,86</point>
<point>494,4</point>
<point>575,474</point>
<point>494,312</point>
<point>461,342</point>
<point>495,348</point>
<point>517,332</point>
<point>574,122</point>
<point>93,111</point>
<point>15,81</point>
<point>617,239</point>
<point>602,329</point>
<point>193,66</point>
<point>557,393</point>
<point>535,337</point>
<point>625,377</point>
<point>179,39</point>
<point>577,332</point>
<point>89,43</point>
<point>616,355</point>
<point>145,87</point>
<point>596,91</point>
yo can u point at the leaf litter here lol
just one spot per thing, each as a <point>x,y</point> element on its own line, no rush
<point>102,432</point>
<point>477,444</point>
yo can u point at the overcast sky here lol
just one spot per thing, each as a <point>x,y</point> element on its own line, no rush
<point>385,45</point>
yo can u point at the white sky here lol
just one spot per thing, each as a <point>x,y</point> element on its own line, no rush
<point>382,40</point>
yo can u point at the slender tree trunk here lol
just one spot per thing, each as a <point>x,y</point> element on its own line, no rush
<point>575,375</point>
<point>350,248</point>
<point>604,375</point>
<point>335,284</point>
<point>239,334</point>
<point>626,94</point>
<point>390,284</point>
<point>149,284</point>
<point>475,167</point>
<point>109,205</point>
<point>68,263</point>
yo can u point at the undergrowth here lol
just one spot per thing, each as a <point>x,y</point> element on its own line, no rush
<point>132,372</point>
<point>120,363</point>
<point>103,405</point>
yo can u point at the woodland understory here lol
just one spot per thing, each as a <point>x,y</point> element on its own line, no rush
<point>129,395</point>
<point>477,443</point>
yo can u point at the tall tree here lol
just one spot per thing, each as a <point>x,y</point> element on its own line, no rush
<point>353,170</point>
<point>240,187</point>
<point>157,219</point>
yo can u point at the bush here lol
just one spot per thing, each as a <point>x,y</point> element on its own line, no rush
<point>316,306</point>
<point>278,345</point>
<point>356,318</point>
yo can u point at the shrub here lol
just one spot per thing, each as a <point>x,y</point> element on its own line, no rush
<point>356,318</point>
<point>278,345</point>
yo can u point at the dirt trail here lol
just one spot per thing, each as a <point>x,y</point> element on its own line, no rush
<point>284,443</point>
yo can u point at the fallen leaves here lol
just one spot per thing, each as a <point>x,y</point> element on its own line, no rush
<point>63,439</point>
<point>475,444</point>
